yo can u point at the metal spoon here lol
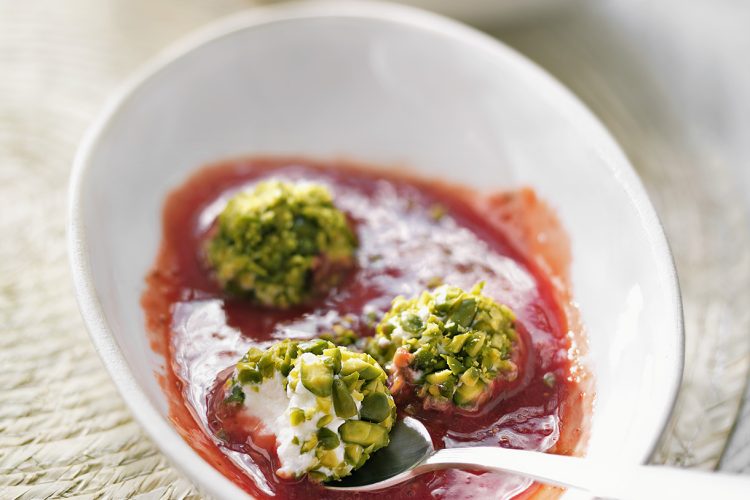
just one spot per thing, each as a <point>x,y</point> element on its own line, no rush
<point>410,453</point>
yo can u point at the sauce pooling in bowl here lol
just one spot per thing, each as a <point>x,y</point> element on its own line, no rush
<point>412,234</point>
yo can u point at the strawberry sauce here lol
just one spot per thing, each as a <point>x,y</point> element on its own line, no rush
<point>412,233</point>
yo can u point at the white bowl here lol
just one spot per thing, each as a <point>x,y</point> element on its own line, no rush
<point>387,85</point>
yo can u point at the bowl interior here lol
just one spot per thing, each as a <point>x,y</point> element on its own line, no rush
<point>391,86</point>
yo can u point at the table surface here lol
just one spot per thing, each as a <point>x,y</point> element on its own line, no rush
<point>668,79</point>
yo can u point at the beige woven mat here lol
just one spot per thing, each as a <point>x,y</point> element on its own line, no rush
<point>64,431</point>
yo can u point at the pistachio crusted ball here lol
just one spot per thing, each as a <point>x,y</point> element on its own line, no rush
<point>329,407</point>
<point>281,242</point>
<point>450,345</point>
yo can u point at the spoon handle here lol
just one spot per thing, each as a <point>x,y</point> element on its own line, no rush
<point>606,480</point>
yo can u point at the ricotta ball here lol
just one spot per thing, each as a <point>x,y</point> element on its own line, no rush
<point>450,346</point>
<point>281,242</point>
<point>328,407</point>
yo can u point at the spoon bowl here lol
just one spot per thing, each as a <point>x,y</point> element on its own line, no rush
<point>411,453</point>
<point>410,444</point>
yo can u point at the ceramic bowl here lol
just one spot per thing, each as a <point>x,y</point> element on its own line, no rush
<point>386,85</point>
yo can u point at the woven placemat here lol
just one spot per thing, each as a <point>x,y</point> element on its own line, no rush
<point>64,431</point>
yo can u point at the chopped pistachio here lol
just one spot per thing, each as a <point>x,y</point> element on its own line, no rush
<point>315,346</point>
<point>296,416</point>
<point>375,407</point>
<point>310,413</point>
<point>246,374</point>
<point>455,365</point>
<point>353,453</point>
<point>437,378</point>
<point>327,438</point>
<point>323,403</point>
<point>474,344</point>
<point>343,402</point>
<point>467,394</point>
<point>470,377</point>
<point>456,344</point>
<point>271,240</point>
<point>363,433</point>
<point>334,394</point>
<point>328,458</point>
<point>464,312</point>
<point>423,357</point>
<point>317,377</point>
<point>310,444</point>
<point>317,476</point>
<point>334,359</point>
<point>350,379</point>
<point>323,421</point>
<point>366,370</point>
<point>236,396</point>
<point>253,354</point>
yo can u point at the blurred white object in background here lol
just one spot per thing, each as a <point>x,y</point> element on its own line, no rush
<point>480,13</point>
<point>484,12</point>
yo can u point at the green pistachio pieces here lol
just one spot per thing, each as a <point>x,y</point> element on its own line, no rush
<point>270,243</point>
<point>366,369</point>
<point>324,420</point>
<point>333,359</point>
<point>258,365</point>
<point>296,416</point>
<point>247,373</point>
<point>235,396</point>
<point>315,346</point>
<point>343,402</point>
<point>470,377</point>
<point>327,438</point>
<point>309,445</point>
<point>464,312</point>
<point>375,407</point>
<point>350,380</point>
<point>437,378</point>
<point>456,344</point>
<point>349,417</point>
<point>316,377</point>
<point>353,454</point>
<point>317,476</point>
<point>455,365</point>
<point>328,458</point>
<point>467,394</point>
<point>363,433</point>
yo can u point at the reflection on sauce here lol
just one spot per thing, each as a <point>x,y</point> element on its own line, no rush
<point>411,232</point>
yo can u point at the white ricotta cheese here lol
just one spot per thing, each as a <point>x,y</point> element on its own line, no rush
<point>272,405</point>
<point>267,402</point>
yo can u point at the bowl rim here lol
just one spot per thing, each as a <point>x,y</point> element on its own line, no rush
<point>200,472</point>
